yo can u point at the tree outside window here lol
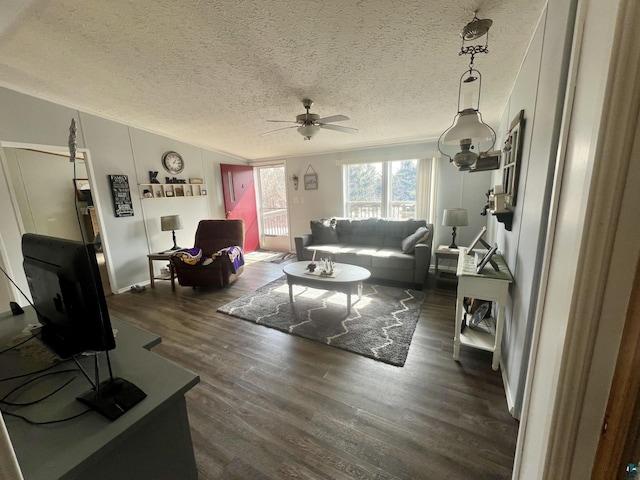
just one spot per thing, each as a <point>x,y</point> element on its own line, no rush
<point>381,189</point>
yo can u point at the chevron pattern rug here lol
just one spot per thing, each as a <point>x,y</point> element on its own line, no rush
<point>380,325</point>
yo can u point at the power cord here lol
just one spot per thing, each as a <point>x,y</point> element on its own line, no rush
<point>20,343</point>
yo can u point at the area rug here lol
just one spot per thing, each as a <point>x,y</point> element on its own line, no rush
<point>380,325</point>
<point>268,256</point>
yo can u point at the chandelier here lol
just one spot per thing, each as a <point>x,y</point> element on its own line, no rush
<point>469,139</point>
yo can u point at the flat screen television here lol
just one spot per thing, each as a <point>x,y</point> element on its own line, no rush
<point>66,289</point>
<point>67,294</point>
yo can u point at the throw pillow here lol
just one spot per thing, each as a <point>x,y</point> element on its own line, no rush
<point>420,235</point>
<point>324,233</point>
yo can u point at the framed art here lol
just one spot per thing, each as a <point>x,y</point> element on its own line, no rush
<point>477,240</point>
<point>311,181</point>
<point>487,258</point>
<point>511,152</point>
<point>121,194</point>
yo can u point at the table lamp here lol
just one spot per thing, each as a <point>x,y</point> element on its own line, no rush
<point>454,217</point>
<point>171,223</point>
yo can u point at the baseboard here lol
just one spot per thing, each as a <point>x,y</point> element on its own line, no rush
<point>507,391</point>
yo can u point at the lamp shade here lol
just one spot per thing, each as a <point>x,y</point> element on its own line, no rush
<point>455,217</point>
<point>170,222</point>
<point>308,131</point>
<point>468,125</point>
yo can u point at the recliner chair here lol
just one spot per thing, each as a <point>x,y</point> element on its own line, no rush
<point>211,237</point>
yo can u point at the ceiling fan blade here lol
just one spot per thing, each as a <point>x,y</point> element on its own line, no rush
<point>334,118</point>
<point>282,121</point>
<point>339,128</point>
<point>276,130</point>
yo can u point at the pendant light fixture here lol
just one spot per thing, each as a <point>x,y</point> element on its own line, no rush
<point>469,138</point>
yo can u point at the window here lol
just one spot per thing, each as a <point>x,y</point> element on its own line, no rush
<point>381,189</point>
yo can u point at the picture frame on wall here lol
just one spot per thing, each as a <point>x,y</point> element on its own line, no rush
<point>512,152</point>
<point>311,181</point>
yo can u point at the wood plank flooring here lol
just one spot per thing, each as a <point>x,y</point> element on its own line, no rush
<point>275,406</point>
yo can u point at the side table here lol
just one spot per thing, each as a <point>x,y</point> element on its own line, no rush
<point>443,277</point>
<point>486,285</point>
<point>161,257</point>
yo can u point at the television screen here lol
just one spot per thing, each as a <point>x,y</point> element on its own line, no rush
<point>67,294</point>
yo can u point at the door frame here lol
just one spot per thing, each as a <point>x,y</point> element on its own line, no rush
<point>19,275</point>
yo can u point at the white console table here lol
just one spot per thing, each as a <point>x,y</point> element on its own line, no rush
<point>487,285</point>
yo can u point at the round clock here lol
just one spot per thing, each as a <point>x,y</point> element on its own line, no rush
<point>172,162</point>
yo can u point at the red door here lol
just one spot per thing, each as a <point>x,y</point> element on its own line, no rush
<point>240,200</point>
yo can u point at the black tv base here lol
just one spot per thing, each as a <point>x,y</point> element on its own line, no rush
<point>114,397</point>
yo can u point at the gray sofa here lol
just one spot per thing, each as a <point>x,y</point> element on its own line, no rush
<point>397,250</point>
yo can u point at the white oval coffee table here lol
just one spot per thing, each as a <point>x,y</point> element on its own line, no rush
<point>345,278</point>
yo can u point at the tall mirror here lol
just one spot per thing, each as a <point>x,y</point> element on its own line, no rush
<point>49,190</point>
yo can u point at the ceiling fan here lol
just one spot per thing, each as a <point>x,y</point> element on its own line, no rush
<point>308,124</point>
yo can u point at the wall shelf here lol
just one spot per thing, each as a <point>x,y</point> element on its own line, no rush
<point>150,191</point>
<point>504,217</point>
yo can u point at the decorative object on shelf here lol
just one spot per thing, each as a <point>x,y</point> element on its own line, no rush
<point>178,191</point>
<point>196,181</point>
<point>174,180</point>
<point>171,223</point>
<point>147,193</point>
<point>294,178</point>
<point>478,240</point>
<point>454,217</point>
<point>310,179</point>
<point>468,131</point>
<point>482,260</point>
<point>168,193</point>
<point>172,162</point>
<point>153,176</point>
<point>121,194</point>
<point>203,191</point>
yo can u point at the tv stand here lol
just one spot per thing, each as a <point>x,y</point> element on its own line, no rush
<point>152,440</point>
<point>113,397</point>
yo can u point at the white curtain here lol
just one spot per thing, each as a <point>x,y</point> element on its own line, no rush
<point>425,196</point>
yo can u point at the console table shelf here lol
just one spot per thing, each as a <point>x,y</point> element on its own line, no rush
<point>486,285</point>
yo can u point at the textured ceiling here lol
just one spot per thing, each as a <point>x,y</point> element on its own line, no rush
<point>211,73</point>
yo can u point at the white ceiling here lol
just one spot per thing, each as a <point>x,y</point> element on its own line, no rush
<point>211,73</point>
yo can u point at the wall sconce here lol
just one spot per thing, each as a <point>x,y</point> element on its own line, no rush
<point>468,132</point>
<point>295,181</point>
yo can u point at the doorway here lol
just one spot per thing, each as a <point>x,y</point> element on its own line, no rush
<point>273,214</point>
<point>53,197</point>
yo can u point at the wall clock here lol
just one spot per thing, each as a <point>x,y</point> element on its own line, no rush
<point>172,162</point>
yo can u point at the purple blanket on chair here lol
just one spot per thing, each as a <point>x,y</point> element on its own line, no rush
<point>235,255</point>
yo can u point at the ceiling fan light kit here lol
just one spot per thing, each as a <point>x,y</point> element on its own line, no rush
<point>468,131</point>
<point>309,124</point>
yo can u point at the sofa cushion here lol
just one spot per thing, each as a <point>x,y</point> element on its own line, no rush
<point>323,232</point>
<point>391,258</point>
<point>367,232</point>
<point>409,243</point>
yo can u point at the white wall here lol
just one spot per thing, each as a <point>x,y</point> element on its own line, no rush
<point>113,148</point>
<point>538,90</point>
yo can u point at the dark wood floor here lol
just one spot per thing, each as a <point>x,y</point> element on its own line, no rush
<point>272,405</point>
